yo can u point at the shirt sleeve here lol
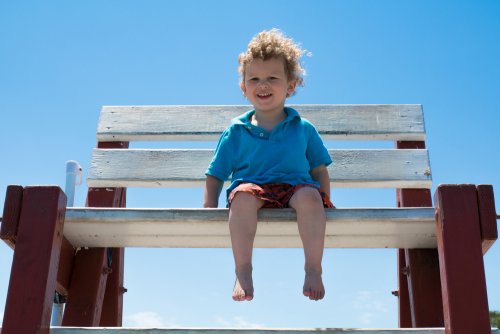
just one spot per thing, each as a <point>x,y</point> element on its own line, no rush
<point>316,152</point>
<point>221,165</point>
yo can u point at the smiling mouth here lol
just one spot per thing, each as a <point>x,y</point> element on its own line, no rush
<point>264,95</point>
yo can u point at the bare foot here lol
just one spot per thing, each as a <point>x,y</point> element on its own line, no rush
<point>313,285</point>
<point>243,287</point>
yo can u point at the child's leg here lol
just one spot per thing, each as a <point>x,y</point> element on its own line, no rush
<point>311,220</point>
<point>243,226</point>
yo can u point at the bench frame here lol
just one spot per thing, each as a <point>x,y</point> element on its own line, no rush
<point>443,287</point>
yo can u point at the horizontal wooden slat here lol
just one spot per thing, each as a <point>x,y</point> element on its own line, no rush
<point>207,228</point>
<point>366,122</point>
<point>186,168</point>
<point>123,330</point>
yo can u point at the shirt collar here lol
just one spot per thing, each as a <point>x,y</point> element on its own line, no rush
<point>245,118</point>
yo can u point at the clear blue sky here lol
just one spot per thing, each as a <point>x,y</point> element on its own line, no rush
<point>60,61</point>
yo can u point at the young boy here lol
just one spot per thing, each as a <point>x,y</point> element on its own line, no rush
<point>276,159</point>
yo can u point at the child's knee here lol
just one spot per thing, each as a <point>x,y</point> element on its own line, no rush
<point>245,200</point>
<point>306,197</point>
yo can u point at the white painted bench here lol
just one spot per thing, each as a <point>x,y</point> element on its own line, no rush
<point>62,330</point>
<point>462,223</point>
<point>358,228</point>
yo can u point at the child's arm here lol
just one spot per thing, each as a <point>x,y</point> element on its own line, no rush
<point>320,174</point>
<point>213,187</point>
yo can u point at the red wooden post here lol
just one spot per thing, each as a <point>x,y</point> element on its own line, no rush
<point>465,300</point>
<point>36,257</point>
<point>421,266</point>
<point>100,300</point>
<point>65,266</point>
<point>11,214</point>
<point>404,310</point>
<point>113,299</point>
<point>88,282</point>
<point>487,215</point>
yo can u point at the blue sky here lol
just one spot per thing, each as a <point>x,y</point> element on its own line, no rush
<point>60,61</point>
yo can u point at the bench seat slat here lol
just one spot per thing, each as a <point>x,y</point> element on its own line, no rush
<point>353,122</point>
<point>186,168</point>
<point>207,228</point>
<point>137,330</point>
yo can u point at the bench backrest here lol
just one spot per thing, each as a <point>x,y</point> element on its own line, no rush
<point>381,168</point>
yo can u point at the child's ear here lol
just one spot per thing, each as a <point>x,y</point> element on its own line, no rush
<point>292,85</point>
<point>243,87</point>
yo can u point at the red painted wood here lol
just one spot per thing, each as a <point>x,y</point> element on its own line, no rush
<point>65,267</point>
<point>87,287</point>
<point>113,144</point>
<point>86,304</point>
<point>11,214</point>
<point>463,280</point>
<point>113,299</point>
<point>36,257</point>
<point>424,287</point>
<point>410,144</point>
<point>487,216</point>
<point>423,281</point>
<point>414,198</point>
<point>112,313</point>
<point>404,310</point>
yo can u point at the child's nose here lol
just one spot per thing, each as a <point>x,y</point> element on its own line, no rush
<point>263,84</point>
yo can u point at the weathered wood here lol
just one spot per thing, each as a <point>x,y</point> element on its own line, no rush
<point>65,267</point>
<point>487,216</point>
<point>403,294</point>
<point>367,122</point>
<point>356,228</point>
<point>11,214</point>
<point>465,300</point>
<point>88,284</point>
<point>112,306</point>
<point>424,285</point>
<point>36,257</point>
<point>125,330</point>
<point>184,168</point>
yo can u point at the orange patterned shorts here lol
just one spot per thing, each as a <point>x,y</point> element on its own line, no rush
<point>275,195</point>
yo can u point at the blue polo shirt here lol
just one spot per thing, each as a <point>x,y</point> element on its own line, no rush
<point>252,154</point>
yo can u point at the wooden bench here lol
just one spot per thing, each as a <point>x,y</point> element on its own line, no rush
<point>440,248</point>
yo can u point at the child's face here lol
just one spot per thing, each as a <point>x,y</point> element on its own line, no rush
<point>266,85</point>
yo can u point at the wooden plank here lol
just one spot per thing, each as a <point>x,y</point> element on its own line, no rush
<point>112,306</point>
<point>89,300</point>
<point>487,216</point>
<point>384,168</point>
<point>125,330</point>
<point>465,301</point>
<point>88,284</point>
<point>356,228</point>
<point>366,122</point>
<point>424,285</point>
<point>128,330</point>
<point>36,257</point>
<point>11,214</point>
<point>65,267</point>
<point>404,308</point>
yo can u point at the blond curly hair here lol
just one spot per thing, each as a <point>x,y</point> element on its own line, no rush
<point>273,43</point>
